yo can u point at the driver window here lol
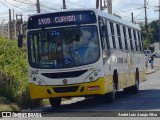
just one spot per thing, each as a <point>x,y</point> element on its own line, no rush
<point>103,34</point>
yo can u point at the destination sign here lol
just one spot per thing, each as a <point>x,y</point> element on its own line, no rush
<point>61,19</point>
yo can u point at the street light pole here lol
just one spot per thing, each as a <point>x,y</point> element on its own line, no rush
<point>145,7</point>
<point>158,22</point>
<point>64,4</point>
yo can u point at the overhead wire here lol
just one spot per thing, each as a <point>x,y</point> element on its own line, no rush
<point>4,4</point>
<point>24,2</point>
<point>76,4</point>
<point>14,5</point>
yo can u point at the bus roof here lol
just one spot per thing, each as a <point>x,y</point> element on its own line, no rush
<point>99,13</point>
<point>117,19</point>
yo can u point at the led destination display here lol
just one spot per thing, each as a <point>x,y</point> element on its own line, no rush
<point>61,19</point>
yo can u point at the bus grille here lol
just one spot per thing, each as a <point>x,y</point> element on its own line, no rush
<point>66,89</point>
<point>64,74</point>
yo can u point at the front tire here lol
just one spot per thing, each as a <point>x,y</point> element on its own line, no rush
<point>55,102</point>
<point>111,97</point>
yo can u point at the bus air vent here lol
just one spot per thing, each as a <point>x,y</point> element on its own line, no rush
<point>65,89</point>
<point>64,74</point>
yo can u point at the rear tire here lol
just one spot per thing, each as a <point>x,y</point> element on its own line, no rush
<point>55,102</point>
<point>135,88</point>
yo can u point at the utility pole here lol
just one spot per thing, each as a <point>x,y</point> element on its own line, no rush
<point>64,4</point>
<point>109,5</point>
<point>13,14</point>
<point>15,29</point>
<point>159,23</point>
<point>10,27</point>
<point>145,7</point>
<point>101,5</point>
<point>132,17</point>
<point>97,4</point>
<point>38,6</point>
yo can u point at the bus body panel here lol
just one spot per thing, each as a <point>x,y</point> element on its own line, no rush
<point>125,62</point>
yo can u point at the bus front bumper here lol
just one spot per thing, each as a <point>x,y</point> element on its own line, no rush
<point>98,87</point>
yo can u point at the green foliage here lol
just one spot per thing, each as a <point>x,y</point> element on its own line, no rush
<point>145,44</point>
<point>153,33</point>
<point>14,74</point>
<point>13,71</point>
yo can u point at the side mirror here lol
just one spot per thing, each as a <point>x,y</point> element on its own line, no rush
<point>77,38</point>
<point>20,40</point>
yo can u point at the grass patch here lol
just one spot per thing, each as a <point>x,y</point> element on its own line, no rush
<point>6,105</point>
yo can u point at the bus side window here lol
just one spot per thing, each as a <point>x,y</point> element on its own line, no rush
<point>138,46</point>
<point>130,38</point>
<point>119,36</point>
<point>135,39</point>
<point>109,34</point>
<point>125,38</point>
<point>139,39</point>
<point>113,35</point>
<point>103,34</point>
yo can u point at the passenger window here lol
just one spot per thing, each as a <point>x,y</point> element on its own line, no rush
<point>119,36</point>
<point>113,35</point>
<point>130,38</point>
<point>139,39</point>
<point>125,38</point>
<point>135,39</point>
<point>103,32</point>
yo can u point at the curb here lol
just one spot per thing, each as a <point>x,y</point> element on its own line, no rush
<point>155,70</point>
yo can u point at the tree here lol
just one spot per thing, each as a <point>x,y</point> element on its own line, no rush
<point>152,32</point>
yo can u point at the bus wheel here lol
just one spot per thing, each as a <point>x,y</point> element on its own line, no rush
<point>111,97</point>
<point>55,102</point>
<point>135,88</point>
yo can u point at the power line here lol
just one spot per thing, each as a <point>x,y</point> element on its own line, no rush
<point>139,14</point>
<point>76,4</point>
<point>14,5</point>
<point>48,7</point>
<point>23,2</point>
<point>4,4</point>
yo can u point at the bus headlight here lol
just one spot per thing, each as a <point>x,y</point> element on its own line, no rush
<point>34,79</point>
<point>95,74</point>
<point>91,78</point>
<point>37,81</point>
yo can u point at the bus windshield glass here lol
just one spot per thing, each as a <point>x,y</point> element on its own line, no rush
<point>63,47</point>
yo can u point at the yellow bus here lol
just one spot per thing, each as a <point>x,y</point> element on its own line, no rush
<point>83,52</point>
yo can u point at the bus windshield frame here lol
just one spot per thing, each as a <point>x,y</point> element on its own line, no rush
<point>72,47</point>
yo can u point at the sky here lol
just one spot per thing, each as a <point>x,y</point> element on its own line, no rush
<point>122,8</point>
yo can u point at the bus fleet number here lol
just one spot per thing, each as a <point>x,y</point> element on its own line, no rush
<point>34,72</point>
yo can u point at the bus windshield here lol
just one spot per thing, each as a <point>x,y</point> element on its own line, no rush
<point>63,47</point>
